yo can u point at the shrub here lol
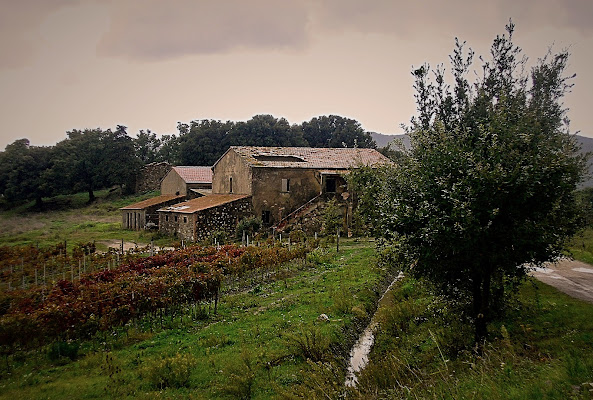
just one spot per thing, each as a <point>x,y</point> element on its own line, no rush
<point>297,236</point>
<point>220,236</point>
<point>319,256</point>
<point>170,371</point>
<point>342,301</point>
<point>58,350</point>
<point>311,345</point>
<point>332,217</point>
<point>249,225</point>
<point>241,377</point>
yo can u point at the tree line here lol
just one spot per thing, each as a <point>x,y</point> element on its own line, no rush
<point>91,159</point>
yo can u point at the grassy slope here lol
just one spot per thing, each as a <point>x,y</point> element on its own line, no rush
<point>543,349</point>
<point>249,347</point>
<point>71,219</point>
<point>581,246</point>
<point>546,354</point>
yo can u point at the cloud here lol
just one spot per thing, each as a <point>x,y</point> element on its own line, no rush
<point>466,18</point>
<point>19,37</point>
<point>155,29</point>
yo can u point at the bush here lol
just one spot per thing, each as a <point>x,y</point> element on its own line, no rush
<point>170,371</point>
<point>59,350</point>
<point>319,256</point>
<point>248,225</point>
<point>221,237</point>
<point>332,217</point>
<point>297,236</point>
<point>241,376</point>
<point>310,345</point>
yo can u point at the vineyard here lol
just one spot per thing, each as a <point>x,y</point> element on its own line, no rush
<point>24,266</point>
<point>153,287</point>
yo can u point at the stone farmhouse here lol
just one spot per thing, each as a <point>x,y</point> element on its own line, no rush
<point>178,184</point>
<point>278,184</point>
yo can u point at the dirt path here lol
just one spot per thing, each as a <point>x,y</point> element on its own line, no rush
<point>116,244</point>
<point>572,277</point>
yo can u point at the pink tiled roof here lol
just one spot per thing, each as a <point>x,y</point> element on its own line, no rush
<point>202,203</point>
<point>195,174</point>
<point>309,157</point>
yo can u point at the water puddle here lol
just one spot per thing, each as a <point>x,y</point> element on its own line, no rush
<point>360,352</point>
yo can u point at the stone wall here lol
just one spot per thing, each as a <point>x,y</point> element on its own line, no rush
<point>149,178</point>
<point>198,225</point>
<point>172,183</point>
<point>222,218</point>
<point>231,167</point>
<point>169,222</point>
<point>269,196</point>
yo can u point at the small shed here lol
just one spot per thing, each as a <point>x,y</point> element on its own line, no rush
<point>195,219</point>
<point>136,216</point>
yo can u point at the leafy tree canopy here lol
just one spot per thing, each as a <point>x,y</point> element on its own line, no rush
<point>335,131</point>
<point>488,187</point>
<point>24,172</point>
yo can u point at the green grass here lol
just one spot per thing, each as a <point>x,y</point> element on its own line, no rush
<point>581,246</point>
<point>254,347</point>
<point>72,219</point>
<point>543,349</point>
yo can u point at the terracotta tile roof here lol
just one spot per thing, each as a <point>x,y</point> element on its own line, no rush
<point>194,174</point>
<point>202,203</point>
<point>309,157</point>
<point>153,201</point>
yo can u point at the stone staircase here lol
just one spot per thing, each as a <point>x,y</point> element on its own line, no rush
<point>300,212</point>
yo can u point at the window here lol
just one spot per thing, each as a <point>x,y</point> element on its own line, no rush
<point>286,185</point>
<point>265,216</point>
<point>176,218</point>
<point>166,218</point>
<point>231,185</point>
<point>330,185</point>
<point>185,220</point>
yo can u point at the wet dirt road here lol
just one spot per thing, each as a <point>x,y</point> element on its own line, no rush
<point>572,277</point>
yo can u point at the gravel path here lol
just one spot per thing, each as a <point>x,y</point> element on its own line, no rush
<point>574,278</point>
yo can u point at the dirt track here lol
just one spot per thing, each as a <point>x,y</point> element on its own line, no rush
<point>574,278</point>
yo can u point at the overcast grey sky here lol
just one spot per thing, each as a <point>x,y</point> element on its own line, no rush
<point>147,64</point>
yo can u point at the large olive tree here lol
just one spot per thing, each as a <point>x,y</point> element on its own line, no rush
<point>488,187</point>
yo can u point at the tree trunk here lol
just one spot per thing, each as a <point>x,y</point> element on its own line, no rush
<point>91,195</point>
<point>481,305</point>
<point>477,305</point>
<point>38,202</point>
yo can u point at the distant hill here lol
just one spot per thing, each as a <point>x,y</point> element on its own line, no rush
<point>381,139</point>
<point>585,142</point>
